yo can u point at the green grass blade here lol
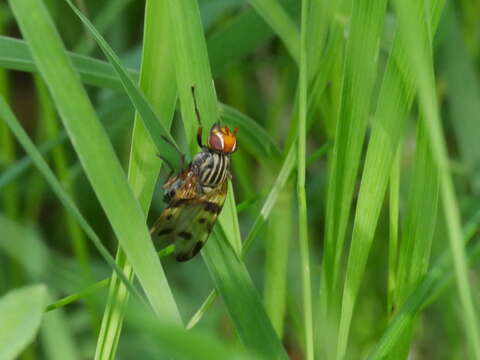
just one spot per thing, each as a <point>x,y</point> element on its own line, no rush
<point>393,216</point>
<point>418,229</point>
<point>7,145</point>
<point>277,246</point>
<point>359,74</point>
<point>274,15</point>
<point>95,151</point>
<point>411,15</point>
<point>158,82</point>
<point>241,299</point>
<point>21,312</point>
<point>395,98</point>
<point>301,193</point>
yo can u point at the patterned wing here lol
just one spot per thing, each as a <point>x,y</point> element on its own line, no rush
<point>190,217</point>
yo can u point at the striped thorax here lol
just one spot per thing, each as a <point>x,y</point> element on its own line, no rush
<point>213,169</point>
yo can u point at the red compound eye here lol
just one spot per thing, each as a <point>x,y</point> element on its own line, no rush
<point>215,141</point>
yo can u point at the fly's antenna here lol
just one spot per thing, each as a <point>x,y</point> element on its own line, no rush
<point>197,113</point>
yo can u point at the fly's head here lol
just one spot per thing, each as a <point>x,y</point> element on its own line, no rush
<point>222,140</point>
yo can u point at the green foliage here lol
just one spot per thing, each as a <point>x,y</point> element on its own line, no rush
<point>369,107</point>
<point>21,311</point>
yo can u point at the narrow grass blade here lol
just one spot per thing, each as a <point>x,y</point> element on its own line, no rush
<point>21,311</point>
<point>157,80</point>
<point>411,23</point>
<point>418,229</point>
<point>95,151</point>
<point>301,193</point>
<point>393,218</point>
<point>395,98</point>
<point>277,245</point>
<point>359,74</point>
<point>241,299</point>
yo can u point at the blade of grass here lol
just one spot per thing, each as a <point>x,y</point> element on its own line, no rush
<point>418,229</point>
<point>358,83</point>
<point>7,146</point>
<point>158,82</point>
<point>233,283</point>
<point>95,152</point>
<point>421,61</point>
<point>301,194</point>
<point>277,244</point>
<point>395,98</point>
<point>393,210</point>
<point>51,128</point>
<point>359,74</point>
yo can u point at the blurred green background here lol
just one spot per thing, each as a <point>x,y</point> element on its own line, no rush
<point>390,124</point>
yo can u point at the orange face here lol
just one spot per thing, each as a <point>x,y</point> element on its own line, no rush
<point>223,140</point>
